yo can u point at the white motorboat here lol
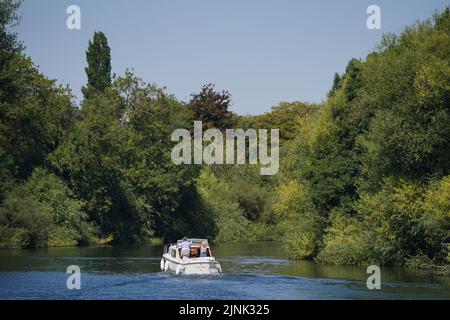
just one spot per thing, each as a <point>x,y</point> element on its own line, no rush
<point>173,260</point>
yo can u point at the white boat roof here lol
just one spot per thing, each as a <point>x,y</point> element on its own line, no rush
<point>194,241</point>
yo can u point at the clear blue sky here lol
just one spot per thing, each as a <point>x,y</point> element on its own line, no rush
<point>263,52</point>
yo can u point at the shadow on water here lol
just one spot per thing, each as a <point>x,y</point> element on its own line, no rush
<point>251,271</point>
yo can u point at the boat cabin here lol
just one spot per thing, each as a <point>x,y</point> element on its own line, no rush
<point>195,248</point>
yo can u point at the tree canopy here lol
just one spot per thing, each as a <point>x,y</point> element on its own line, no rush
<point>364,176</point>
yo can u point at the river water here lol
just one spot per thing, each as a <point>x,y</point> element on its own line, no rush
<point>250,271</point>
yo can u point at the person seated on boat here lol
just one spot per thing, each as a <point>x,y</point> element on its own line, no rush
<point>185,247</point>
<point>203,249</point>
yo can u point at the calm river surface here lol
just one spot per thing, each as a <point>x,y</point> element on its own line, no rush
<point>251,271</point>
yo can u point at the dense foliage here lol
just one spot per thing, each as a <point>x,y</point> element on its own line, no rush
<point>364,177</point>
<point>373,165</point>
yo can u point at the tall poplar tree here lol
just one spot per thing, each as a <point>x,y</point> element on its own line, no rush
<point>98,71</point>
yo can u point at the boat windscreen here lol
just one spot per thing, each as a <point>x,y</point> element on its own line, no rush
<point>194,242</point>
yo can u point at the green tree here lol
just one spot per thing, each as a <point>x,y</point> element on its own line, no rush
<point>35,113</point>
<point>98,71</point>
<point>406,87</point>
<point>119,162</point>
<point>374,150</point>
<point>337,84</point>
<point>285,117</point>
<point>10,46</point>
<point>228,218</point>
<point>211,107</point>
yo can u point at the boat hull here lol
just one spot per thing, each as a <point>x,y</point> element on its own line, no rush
<point>191,266</point>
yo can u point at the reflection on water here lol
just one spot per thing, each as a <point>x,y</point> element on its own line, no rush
<point>251,271</point>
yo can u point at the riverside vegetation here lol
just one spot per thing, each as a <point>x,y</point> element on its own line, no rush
<point>364,176</point>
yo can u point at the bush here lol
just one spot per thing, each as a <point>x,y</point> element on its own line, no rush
<point>66,211</point>
<point>403,223</point>
<point>13,238</point>
<point>24,221</point>
<point>44,212</point>
<point>392,218</point>
<point>436,219</point>
<point>227,215</point>
<point>344,242</point>
<point>298,221</point>
<point>260,231</point>
<point>62,237</point>
<point>231,224</point>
